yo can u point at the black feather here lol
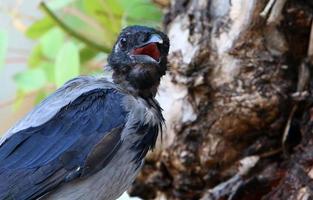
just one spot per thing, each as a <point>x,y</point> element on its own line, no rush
<point>36,160</point>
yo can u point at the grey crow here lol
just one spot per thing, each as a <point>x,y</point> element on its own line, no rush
<point>88,139</point>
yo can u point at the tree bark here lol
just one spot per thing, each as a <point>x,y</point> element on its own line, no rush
<point>237,114</point>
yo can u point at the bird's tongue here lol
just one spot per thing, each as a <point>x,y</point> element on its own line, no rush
<point>149,50</point>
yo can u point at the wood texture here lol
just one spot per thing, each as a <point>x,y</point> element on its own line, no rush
<point>228,96</point>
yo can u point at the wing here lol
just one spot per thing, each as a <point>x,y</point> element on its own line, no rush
<point>77,141</point>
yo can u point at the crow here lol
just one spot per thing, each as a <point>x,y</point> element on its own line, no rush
<point>88,139</point>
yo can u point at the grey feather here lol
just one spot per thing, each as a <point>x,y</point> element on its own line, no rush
<point>44,111</point>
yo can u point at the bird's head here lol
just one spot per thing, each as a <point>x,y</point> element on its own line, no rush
<point>139,59</point>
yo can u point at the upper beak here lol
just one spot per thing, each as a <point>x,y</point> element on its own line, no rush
<point>154,38</point>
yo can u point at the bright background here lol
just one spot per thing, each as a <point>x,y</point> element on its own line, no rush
<point>18,48</point>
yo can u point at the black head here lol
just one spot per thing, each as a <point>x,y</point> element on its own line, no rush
<point>139,59</point>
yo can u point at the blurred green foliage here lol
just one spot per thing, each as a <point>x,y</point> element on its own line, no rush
<point>74,37</point>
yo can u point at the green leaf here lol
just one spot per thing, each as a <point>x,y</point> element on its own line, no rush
<point>40,27</point>
<point>48,68</point>
<point>58,4</point>
<point>3,47</point>
<point>108,14</point>
<point>139,12</point>
<point>30,80</point>
<point>51,42</point>
<point>20,96</point>
<point>40,96</point>
<point>86,54</point>
<point>67,63</point>
<point>135,12</point>
<point>35,56</point>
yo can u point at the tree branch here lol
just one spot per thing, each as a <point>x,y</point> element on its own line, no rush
<point>71,32</point>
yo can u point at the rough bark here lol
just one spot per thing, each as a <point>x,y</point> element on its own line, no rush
<point>229,102</point>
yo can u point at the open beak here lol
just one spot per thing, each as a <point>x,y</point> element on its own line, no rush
<point>150,48</point>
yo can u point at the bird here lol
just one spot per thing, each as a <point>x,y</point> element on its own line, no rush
<point>88,139</point>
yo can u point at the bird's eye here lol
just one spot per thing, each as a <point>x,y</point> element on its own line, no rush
<point>123,42</point>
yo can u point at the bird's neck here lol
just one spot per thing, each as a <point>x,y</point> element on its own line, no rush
<point>145,92</point>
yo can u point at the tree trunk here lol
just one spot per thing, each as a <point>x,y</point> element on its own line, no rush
<point>236,102</point>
